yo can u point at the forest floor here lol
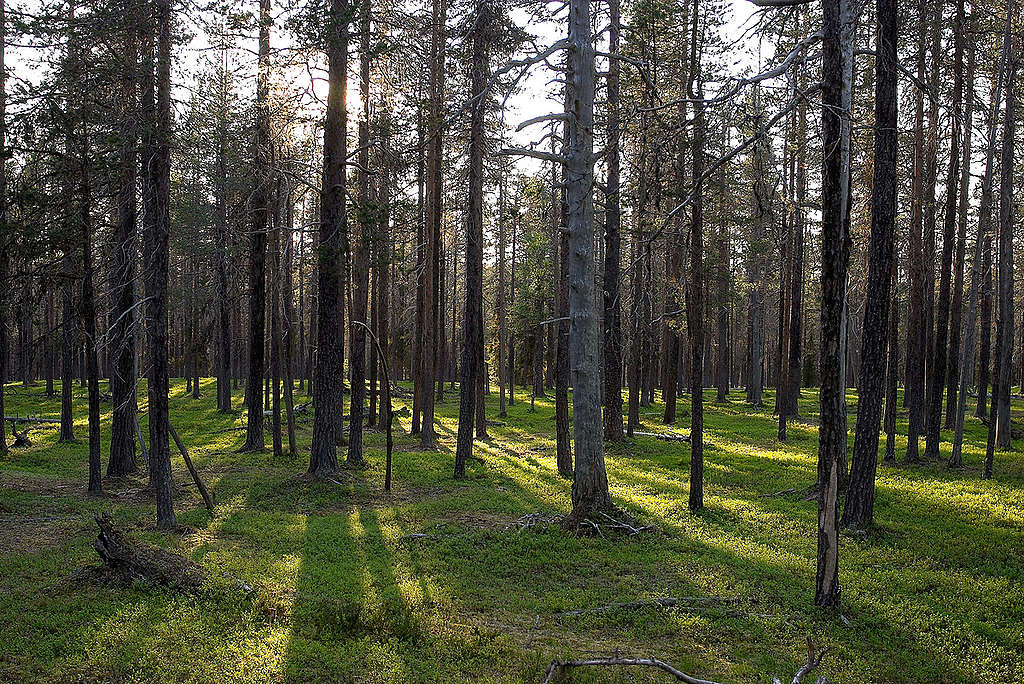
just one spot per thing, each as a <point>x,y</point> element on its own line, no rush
<point>934,593</point>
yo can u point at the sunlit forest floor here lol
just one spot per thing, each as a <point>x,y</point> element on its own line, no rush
<point>342,593</point>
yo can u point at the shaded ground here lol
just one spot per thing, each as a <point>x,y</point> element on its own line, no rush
<point>347,588</point>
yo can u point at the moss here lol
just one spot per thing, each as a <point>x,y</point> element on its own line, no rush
<point>342,592</point>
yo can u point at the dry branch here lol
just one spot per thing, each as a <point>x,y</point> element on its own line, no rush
<point>604,662</point>
<point>667,436</point>
<point>207,499</point>
<point>668,602</point>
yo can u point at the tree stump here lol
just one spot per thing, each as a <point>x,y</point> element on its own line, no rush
<point>126,561</point>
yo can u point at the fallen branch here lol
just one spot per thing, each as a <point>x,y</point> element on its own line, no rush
<point>812,662</point>
<point>668,602</point>
<point>604,662</point>
<point>207,499</point>
<point>783,492</point>
<point>30,419</point>
<point>667,436</point>
<point>530,520</point>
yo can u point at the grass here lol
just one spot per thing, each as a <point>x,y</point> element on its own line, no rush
<point>934,593</point>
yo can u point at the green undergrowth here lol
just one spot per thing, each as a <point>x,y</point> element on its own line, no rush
<point>435,582</point>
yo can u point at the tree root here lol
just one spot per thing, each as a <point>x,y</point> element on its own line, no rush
<point>596,523</point>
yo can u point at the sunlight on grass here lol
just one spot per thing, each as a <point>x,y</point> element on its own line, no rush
<point>934,593</point>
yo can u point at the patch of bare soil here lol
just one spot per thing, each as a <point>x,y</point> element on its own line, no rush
<point>32,533</point>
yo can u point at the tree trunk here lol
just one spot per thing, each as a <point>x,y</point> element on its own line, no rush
<point>89,313</point>
<point>612,348</point>
<point>157,268</point>
<point>590,482</point>
<point>1005,321</point>
<point>837,62</point>
<point>122,272</point>
<point>956,322</point>
<point>939,358</point>
<point>916,320</point>
<point>67,354</point>
<point>695,298</point>
<point>473,341</point>
<point>259,211</point>
<point>361,258</point>
<point>221,263</point>
<point>760,226</point>
<point>288,343</point>
<point>431,274</point>
<point>275,324</point>
<point>860,496</point>
<point>329,381</point>
<point>500,297</point>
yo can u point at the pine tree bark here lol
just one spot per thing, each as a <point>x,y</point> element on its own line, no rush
<point>860,495</point>
<point>590,481</point>
<point>1005,320</point>
<point>939,358</point>
<point>258,226</point>
<point>289,323</point>
<point>4,232</point>
<point>500,298</point>
<point>156,285</point>
<point>612,349</point>
<point>329,372</point>
<point>755,269</point>
<point>431,272</point>
<point>67,353</point>
<point>956,312</point>
<point>89,312</point>
<point>473,341</point>
<point>122,270</point>
<point>275,325</point>
<point>695,296</point>
<point>361,258</point>
<point>916,321</point>
<point>221,263</point>
<point>837,62</point>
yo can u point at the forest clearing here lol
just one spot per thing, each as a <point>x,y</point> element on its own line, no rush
<point>344,589</point>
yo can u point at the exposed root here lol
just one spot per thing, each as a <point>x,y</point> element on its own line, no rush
<point>598,523</point>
